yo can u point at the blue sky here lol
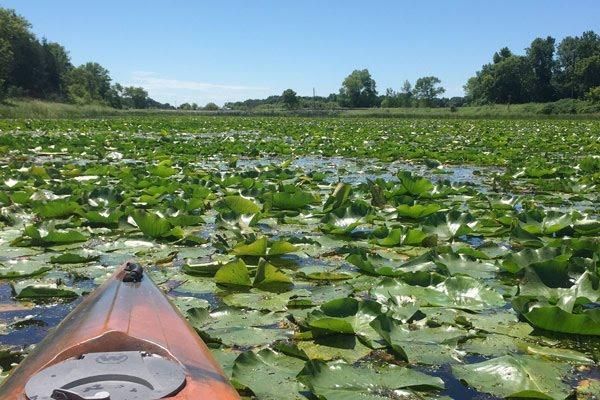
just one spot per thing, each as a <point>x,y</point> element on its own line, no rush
<point>204,51</point>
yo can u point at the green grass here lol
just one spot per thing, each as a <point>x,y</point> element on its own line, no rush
<point>46,109</point>
<point>27,108</point>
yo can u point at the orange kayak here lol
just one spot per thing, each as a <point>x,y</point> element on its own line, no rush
<point>125,341</point>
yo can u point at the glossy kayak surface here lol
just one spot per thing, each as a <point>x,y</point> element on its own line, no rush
<point>127,316</point>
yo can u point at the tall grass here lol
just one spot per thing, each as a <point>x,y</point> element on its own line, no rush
<point>44,109</point>
<point>560,109</point>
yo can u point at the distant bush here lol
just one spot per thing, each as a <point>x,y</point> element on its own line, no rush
<point>593,95</point>
<point>569,106</point>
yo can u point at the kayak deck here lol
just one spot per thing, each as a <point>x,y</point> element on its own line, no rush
<point>127,316</point>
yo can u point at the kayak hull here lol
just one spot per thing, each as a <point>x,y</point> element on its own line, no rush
<point>127,316</point>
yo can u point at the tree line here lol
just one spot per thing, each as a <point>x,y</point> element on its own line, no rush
<point>547,72</point>
<point>359,90</point>
<point>41,69</point>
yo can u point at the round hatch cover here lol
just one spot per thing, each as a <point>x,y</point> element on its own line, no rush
<point>127,375</point>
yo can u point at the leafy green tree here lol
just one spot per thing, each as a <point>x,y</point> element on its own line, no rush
<point>511,81</point>
<point>290,99</point>
<point>359,90</point>
<point>6,57</point>
<point>114,96</point>
<point>501,55</point>
<point>407,87</point>
<point>135,97</point>
<point>211,107</point>
<point>593,95</point>
<point>89,83</point>
<point>571,64</point>
<point>587,73</point>
<point>26,69</point>
<point>185,106</point>
<point>428,89</point>
<point>541,57</point>
<point>407,94</point>
<point>57,65</point>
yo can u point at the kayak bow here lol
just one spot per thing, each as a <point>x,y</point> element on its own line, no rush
<point>125,341</point>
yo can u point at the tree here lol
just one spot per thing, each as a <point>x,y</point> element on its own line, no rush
<point>587,73</point>
<point>428,89</point>
<point>185,106</point>
<point>570,63</point>
<point>541,57</point>
<point>135,97</point>
<point>359,90</point>
<point>89,83</point>
<point>57,65</point>
<point>26,69</point>
<point>114,96</point>
<point>407,87</point>
<point>6,57</point>
<point>501,55</point>
<point>290,99</point>
<point>211,107</point>
<point>512,80</point>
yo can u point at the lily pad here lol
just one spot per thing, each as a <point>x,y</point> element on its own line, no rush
<point>517,377</point>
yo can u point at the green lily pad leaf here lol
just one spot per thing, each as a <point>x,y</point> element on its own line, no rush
<point>261,300</point>
<point>407,237</point>
<point>105,219</point>
<point>346,316</point>
<point>341,381</point>
<point>22,270</point>
<point>449,225</point>
<point>339,198</point>
<point>42,291</point>
<point>269,277</point>
<point>281,247</point>
<point>515,262</point>
<point>257,248</point>
<point>414,185</point>
<point>516,377</point>
<point>525,239</point>
<point>326,275</point>
<point>234,273</point>
<point>460,292</point>
<point>184,303</point>
<point>226,359</point>
<point>270,375</point>
<point>342,221</point>
<point>57,208</point>
<point>233,327</point>
<point>556,354</point>
<point>545,224</point>
<point>554,318</point>
<point>335,347</point>
<point>417,211</point>
<point>163,169</point>
<point>587,226</point>
<point>460,264</point>
<point>293,200</point>
<point>151,224</point>
<point>72,258</point>
<point>238,205</point>
<point>424,345</point>
<point>373,265</point>
<point>39,236</point>
<point>202,269</point>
